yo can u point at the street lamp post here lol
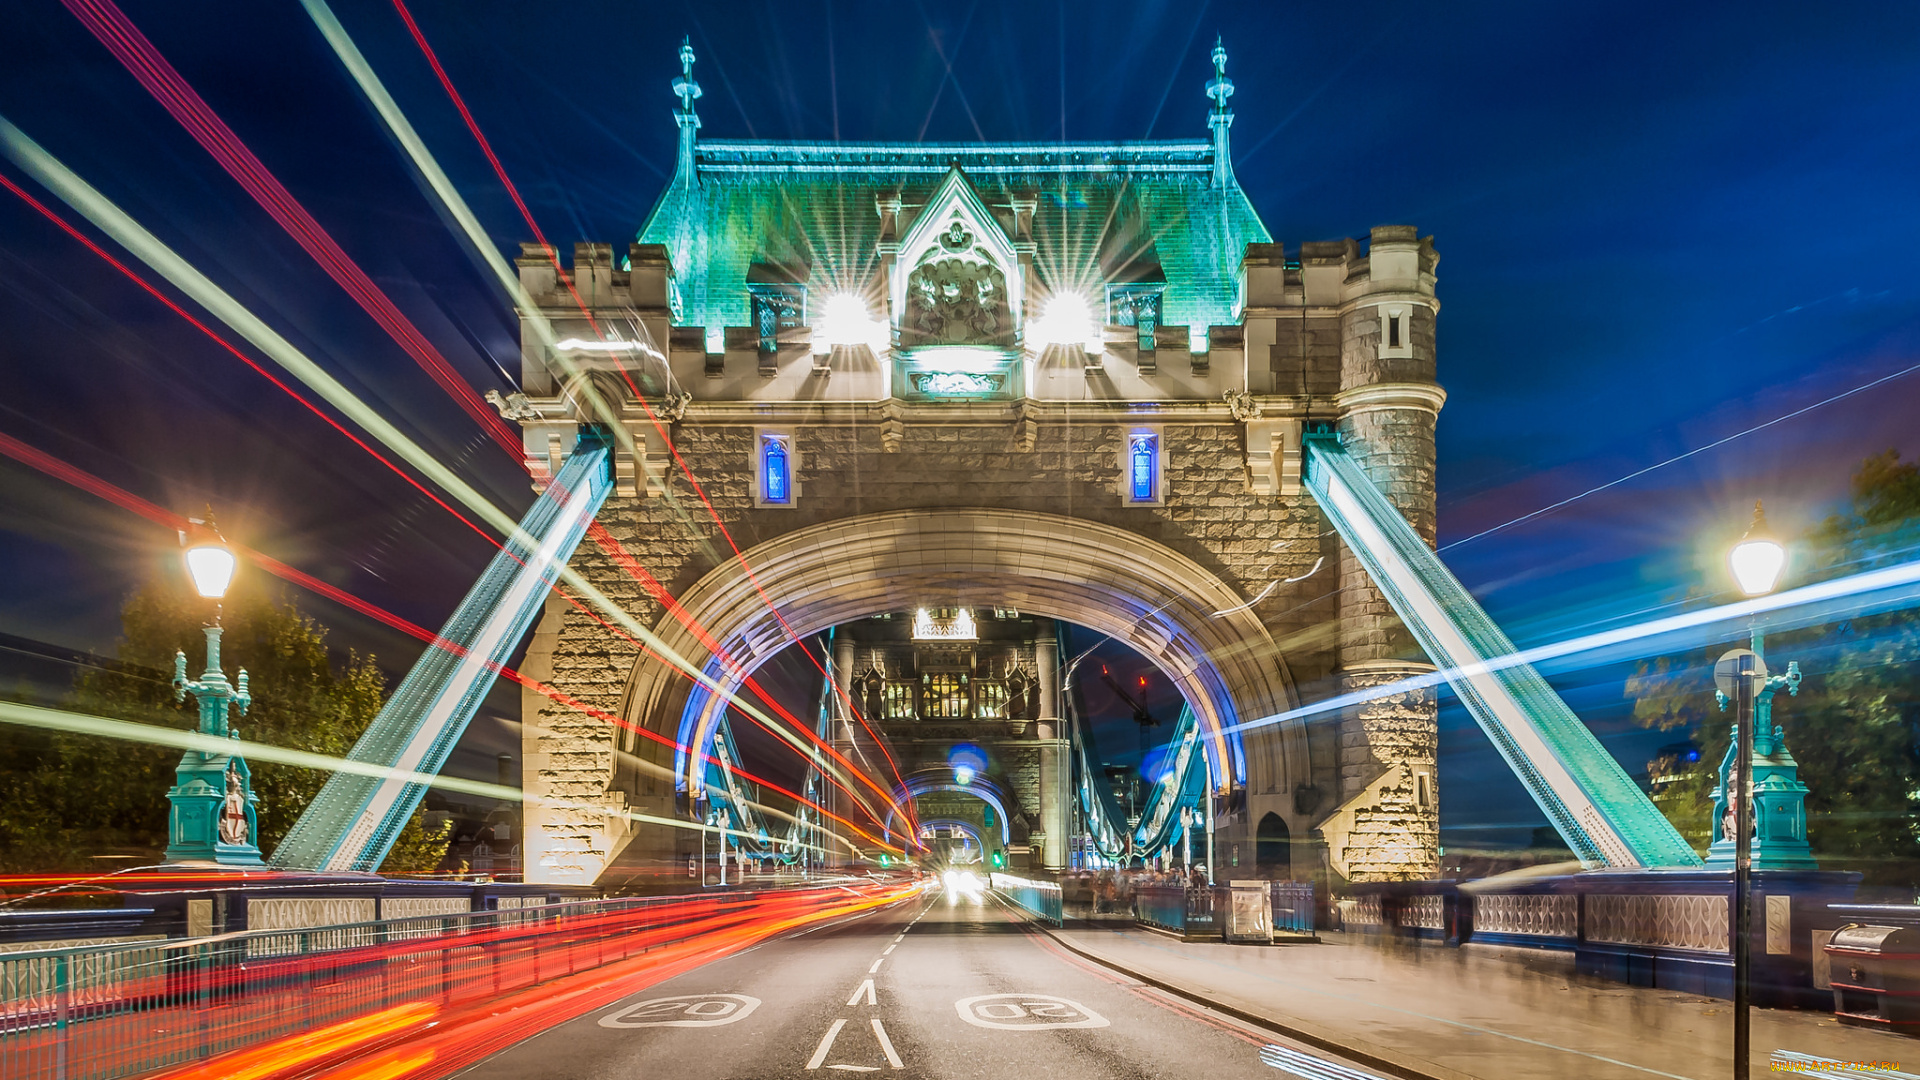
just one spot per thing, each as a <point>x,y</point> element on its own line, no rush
<point>1756,562</point>
<point>213,817</point>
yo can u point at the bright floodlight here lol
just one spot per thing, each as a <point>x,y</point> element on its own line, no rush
<point>963,774</point>
<point>211,566</point>
<point>1758,558</point>
<point>845,320</point>
<point>1067,320</point>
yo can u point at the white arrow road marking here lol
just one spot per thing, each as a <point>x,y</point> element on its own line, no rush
<point>886,1044</point>
<point>876,965</point>
<point>864,988</point>
<point>826,1044</point>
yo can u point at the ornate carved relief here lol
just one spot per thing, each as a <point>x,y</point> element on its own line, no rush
<point>957,294</point>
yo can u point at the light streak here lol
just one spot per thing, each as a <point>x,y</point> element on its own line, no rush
<point>1271,585</point>
<point>109,218</point>
<point>1817,597</point>
<point>85,481</point>
<point>146,64</point>
<point>73,723</point>
<point>310,1046</point>
<point>611,345</point>
<point>450,197</point>
<point>153,291</point>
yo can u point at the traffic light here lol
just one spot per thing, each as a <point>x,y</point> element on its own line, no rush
<point>988,811</point>
<point>886,860</point>
<point>999,860</point>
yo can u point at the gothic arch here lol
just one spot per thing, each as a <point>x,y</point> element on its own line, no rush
<point>1148,596</point>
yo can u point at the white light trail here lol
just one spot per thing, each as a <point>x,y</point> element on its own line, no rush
<point>129,234</point>
<point>74,723</point>
<point>1816,597</point>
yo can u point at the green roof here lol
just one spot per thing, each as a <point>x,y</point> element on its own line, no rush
<point>807,213</point>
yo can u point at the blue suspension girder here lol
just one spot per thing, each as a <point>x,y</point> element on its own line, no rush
<point>1601,813</point>
<point>1183,784</point>
<point>355,819</point>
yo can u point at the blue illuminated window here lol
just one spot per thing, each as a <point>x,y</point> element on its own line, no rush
<point>1143,467</point>
<point>776,471</point>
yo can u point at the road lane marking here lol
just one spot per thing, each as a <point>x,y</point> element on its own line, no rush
<point>826,1044</point>
<point>889,948</point>
<point>1027,1012</point>
<point>687,1010</point>
<point>886,1044</point>
<point>864,988</point>
<point>856,1068</point>
<point>876,965</point>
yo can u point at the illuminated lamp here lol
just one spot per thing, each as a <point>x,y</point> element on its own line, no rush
<point>210,565</point>
<point>1758,558</point>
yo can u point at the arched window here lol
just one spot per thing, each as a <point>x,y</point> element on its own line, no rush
<point>776,473</point>
<point>1143,467</point>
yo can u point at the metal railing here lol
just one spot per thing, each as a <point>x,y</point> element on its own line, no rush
<point>99,1012</point>
<point>1038,898</point>
<point>1292,906</point>
<point>1162,906</point>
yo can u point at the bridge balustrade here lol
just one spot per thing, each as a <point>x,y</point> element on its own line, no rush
<point>97,1012</point>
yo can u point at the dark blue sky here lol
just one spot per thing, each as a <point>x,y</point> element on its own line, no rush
<point>1659,225</point>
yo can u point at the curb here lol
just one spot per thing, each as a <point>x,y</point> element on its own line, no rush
<point>1375,1057</point>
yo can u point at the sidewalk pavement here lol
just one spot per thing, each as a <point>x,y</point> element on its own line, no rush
<point>1477,1012</point>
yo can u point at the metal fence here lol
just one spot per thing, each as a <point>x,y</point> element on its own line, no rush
<point>1039,898</point>
<point>1293,906</point>
<point>1163,906</point>
<point>99,1012</point>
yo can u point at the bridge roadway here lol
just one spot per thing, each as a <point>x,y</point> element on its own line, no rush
<point>953,985</point>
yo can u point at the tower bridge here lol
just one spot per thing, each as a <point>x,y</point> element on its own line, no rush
<point>1068,380</point>
<point>1051,382</point>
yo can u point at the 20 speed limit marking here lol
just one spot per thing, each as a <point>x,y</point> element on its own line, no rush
<point>687,1010</point>
<point>1027,1012</point>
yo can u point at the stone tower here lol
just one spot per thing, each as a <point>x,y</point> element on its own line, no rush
<point>1065,380</point>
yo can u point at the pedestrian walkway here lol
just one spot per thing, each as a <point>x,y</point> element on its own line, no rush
<point>1457,1013</point>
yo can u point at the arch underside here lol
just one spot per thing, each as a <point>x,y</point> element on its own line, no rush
<point>1143,594</point>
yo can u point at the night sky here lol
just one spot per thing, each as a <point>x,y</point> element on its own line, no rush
<point>1660,225</point>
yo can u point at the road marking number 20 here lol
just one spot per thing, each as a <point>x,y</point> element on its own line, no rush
<point>1024,1012</point>
<point>688,1010</point>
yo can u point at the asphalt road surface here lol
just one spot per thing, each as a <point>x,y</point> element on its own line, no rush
<point>947,986</point>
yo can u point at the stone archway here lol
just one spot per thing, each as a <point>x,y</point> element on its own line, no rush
<point>1145,595</point>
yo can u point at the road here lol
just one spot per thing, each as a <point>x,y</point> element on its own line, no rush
<point>947,986</point>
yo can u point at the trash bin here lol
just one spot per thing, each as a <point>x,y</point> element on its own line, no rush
<point>1249,913</point>
<point>1876,975</point>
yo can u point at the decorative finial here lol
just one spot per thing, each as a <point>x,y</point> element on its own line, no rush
<point>1220,88</point>
<point>684,87</point>
<point>688,92</point>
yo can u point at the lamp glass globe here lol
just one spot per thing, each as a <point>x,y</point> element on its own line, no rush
<point>211,567</point>
<point>1756,563</point>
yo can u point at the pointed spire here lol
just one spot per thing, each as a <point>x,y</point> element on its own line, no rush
<point>1220,88</point>
<point>688,92</point>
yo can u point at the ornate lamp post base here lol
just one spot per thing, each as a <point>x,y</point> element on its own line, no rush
<point>214,817</point>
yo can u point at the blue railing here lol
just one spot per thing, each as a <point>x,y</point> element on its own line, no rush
<point>1162,906</point>
<point>1040,899</point>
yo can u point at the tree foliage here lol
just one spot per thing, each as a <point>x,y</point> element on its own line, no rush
<point>1855,725</point>
<point>82,799</point>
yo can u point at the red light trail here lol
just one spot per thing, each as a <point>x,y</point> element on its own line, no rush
<point>138,55</point>
<point>500,171</point>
